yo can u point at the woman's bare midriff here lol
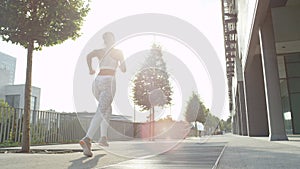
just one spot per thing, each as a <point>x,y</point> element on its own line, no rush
<point>107,72</point>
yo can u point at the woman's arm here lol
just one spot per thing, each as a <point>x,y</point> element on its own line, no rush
<point>122,65</point>
<point>89,57</point>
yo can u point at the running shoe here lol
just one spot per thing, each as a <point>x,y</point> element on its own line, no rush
<point>86,145</point>
<point>103,142</point>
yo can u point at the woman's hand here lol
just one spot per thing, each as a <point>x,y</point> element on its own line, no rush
<point>92,72</point>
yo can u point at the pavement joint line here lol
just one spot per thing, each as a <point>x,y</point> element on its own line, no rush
<point>140,158</point>
<point>218,159</point>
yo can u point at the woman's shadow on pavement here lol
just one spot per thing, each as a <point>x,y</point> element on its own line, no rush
<point>85,162</point>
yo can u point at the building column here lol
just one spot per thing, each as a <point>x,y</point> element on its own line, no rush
<point>240,91</point>
<point>238,113</point>
<point>271,80</point>
<point>257,123</point>
<point>234,130</point>
<point>242,108</point>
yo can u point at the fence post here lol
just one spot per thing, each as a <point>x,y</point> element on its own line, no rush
<point>2,122</point>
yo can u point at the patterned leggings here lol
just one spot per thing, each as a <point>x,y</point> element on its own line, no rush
<point>104,88</point>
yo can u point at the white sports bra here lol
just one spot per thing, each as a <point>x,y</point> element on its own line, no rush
<point>108,62</point>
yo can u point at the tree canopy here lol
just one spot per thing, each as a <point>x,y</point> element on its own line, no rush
<point>151,84</point>
<point>195,109</point>
<point>45,22</point>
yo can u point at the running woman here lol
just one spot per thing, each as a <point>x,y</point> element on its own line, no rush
<point>104,87</point>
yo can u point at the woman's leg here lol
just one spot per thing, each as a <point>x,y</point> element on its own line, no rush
<point>104,91</point>
<point>104,127</point>
<point>106,116</point>
<point>105,122</point>
<point>104,104</point>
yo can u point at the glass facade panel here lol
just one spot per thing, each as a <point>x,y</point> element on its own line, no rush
<point>295,57</point>
<point>284,96</point>
<point>294,85</point>
<point>295,106</point>
<point>284,92</point>
<point>285,101</point>
<point>292,117</point>
<point>293,69</point>
<point>8,63</point>
<point>33,103</point>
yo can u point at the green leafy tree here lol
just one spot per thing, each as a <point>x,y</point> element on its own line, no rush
<point>3,106</point>
<point>195,110</point>
<point>212,123</point>
<point>8,113</point>
<point>223,125</point>
<point>34,24</point>
<point>151,86</point>
<point>227,124</point>
<point>193,105</point>
<point>151,83</point>
<point>3,103</point>
<point>202,113</point>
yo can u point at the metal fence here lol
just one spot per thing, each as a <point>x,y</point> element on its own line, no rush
<point>53,127</point>
<point>45,127</point>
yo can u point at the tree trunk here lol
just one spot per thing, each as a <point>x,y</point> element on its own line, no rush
<point>153,123</point>
<point>150,125</point>
<point>27,101</point>
<point>196,128</point>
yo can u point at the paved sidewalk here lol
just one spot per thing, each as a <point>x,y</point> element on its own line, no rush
<point>66,160</point>
<point>244,152</point>
<point>223,152</point>
<point>189,153</point>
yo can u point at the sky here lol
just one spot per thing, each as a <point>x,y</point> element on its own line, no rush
<point>53,67</point>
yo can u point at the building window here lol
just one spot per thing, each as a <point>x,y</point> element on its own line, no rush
<point>293,76</point>
<point>289,74</point>
<point>285,97</point>
<point>33,103</point>
<point>13,100</point>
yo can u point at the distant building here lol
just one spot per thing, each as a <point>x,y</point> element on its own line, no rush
<point>14,94</point>
<point>7,72</point>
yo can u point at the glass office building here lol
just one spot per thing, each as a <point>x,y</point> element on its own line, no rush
<point>262,52</point>
<point>7,66</point>
<point>11,93</point>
